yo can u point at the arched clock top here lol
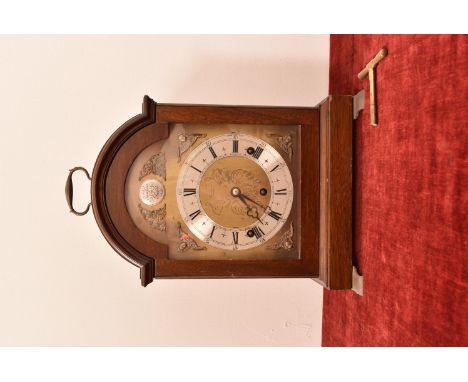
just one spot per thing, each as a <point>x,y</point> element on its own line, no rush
<point>101,181</point>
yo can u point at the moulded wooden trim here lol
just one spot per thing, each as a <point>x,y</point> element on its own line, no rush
<point>264,115</point>
<point>98,194</point>
<point>336,150</point>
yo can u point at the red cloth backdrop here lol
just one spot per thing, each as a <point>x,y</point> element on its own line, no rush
<point>411,185</point>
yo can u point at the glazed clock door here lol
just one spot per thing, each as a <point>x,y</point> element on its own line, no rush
<point>220,191</point>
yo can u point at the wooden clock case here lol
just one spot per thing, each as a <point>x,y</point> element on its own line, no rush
<point>326,191</point>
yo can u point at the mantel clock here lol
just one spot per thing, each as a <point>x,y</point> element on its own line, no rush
<point>206,191</point>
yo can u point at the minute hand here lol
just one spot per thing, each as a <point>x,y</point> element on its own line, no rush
<point>258,204</point>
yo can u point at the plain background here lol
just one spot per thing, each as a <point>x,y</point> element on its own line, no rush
<point>61,98</point>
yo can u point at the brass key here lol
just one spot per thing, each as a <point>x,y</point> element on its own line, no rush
<point>369,70</point>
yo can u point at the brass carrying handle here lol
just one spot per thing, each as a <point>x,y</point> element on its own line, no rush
<point>69,191</point>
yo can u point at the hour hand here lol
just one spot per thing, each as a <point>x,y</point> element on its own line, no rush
<point>251,211</point>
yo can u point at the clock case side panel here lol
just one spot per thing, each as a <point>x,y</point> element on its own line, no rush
<point>336,151</point>
<point>104,209</point>
<point>308,119</point>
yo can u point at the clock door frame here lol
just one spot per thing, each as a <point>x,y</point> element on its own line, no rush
<point>116,157</point>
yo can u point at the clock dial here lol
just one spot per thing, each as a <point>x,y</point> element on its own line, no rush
<point>234,192</point>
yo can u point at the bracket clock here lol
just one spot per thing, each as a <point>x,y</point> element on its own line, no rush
<point>206,191</point>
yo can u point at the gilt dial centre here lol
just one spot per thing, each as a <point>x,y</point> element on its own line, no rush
<point>223,185</point>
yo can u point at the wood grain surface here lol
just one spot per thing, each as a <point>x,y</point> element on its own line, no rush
<point>336,138</point>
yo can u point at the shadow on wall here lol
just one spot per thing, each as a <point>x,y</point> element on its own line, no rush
<point>282,83</point>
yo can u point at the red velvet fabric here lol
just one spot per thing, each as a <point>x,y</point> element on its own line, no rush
<point>410,203</point>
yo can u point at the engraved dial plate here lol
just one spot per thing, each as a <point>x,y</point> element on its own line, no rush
<point>234,192</point>
<point>248,158</point>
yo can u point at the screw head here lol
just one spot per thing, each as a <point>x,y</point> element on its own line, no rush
<point>235,191</point>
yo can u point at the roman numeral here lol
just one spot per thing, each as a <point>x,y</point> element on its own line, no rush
<point>274,168</point>
<point>212,231</point>
<point>235,146</point>
<point>235,237</point>
<point>196,169</point>
<point>189,191</point>
<point>213,152</point>
<point>193,215</point>
<point>274,215</point>
<point>281,192</point>
<point>258,232</point>
<point>257,152</point>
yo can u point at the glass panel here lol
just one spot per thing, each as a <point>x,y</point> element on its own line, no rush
<point>220,191</point>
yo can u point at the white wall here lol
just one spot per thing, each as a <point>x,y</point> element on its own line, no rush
<point>60,99</point>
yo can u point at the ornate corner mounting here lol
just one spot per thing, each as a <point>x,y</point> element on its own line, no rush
<point>285,241</point>
<point>155,218</point>
<point>155,165</point>
<point>185,142</point>
<point>284,141</point>
<point>185,242</point>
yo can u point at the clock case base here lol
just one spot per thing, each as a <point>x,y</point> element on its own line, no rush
<point>326,191</point>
